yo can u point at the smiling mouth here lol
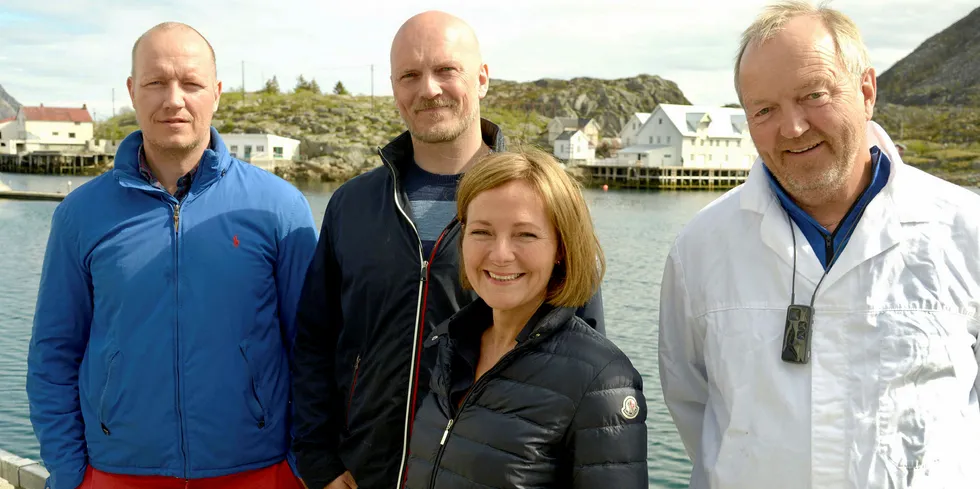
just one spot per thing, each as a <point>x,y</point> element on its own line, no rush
<point>803,150</point>
<point>504,278</point>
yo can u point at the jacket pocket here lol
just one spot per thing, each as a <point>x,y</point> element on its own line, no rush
<point>920,403</point>
<point>353,385</point>
<point>254,399</point>
<point>103,416</point>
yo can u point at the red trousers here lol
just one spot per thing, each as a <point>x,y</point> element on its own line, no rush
<point>278,476</point>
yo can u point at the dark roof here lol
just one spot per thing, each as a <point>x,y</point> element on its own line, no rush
<point>566,136</point>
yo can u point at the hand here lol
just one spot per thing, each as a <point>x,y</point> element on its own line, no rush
<point>345,481</point>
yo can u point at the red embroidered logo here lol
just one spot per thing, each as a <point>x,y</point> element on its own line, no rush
<point>234,241</point>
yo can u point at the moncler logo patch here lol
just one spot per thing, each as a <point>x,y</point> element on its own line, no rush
<point>630,407</point>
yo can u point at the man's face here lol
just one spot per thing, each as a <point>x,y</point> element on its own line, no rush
<point>438,82</point>
<point>807,114</point>
<point>174,89</point>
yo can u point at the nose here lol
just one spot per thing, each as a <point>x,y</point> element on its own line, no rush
<point>430,87</point>
<point>503,250</point>
<point>794,123</point>
<point>175,96</point>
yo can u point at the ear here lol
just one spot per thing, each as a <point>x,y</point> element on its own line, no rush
<point>869,91</point>
<point>130,87</point>
<point>217,95</point>
<point>483,81</point>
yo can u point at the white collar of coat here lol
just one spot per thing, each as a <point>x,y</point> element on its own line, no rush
<point>901,190</point>
<point>879,229</point>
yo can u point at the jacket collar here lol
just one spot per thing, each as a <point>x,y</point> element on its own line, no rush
<point>879,229</point>
<point>213,164</point>
<point>399,153</point>
<point>546,321</point>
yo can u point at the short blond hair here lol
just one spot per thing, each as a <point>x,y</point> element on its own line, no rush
<point>578,276</point>
<point>852,54</point>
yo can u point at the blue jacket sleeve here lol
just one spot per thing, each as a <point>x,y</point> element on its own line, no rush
<point>62,319</point>
<point>297,243</point>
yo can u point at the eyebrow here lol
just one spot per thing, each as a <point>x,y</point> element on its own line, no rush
<point>517,224</point>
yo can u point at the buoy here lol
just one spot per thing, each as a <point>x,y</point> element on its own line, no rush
<point>605,188</point>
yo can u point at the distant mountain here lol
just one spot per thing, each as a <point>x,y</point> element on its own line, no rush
<point>944,70</point>
<point>8,105</point>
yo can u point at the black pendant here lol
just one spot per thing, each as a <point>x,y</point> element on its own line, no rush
<point>796,337</point>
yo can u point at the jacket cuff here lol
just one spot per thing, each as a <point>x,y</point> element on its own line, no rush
<point>66,478</point>
<point>318,469</point>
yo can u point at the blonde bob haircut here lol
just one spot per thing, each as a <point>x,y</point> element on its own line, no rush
<point>852,54</point>
<point>581,265</point>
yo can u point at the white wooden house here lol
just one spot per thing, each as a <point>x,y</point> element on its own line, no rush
<point>47,129</point>
<point>692,136</point>
<point>574,148</point>
<point>559,125</point>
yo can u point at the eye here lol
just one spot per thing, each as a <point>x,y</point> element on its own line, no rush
<point>480,232</point>
<point>527,235</point>
<point>762,112</point>
<point>408,75</point>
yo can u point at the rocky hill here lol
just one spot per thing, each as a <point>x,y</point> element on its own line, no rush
<point>944,70</point>
<point>609,102</point>
<point>8,105</point>
<point>340,133</point>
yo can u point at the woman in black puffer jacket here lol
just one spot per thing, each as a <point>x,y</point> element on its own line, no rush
<point>525,394</point>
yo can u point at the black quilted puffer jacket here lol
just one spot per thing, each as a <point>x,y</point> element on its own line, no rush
<point>563,409</point>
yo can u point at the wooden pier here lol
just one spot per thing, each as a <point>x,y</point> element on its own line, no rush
<point>55,163</point>
<point>662,178</point>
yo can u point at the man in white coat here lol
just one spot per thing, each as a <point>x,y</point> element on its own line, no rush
<point>818,324</point>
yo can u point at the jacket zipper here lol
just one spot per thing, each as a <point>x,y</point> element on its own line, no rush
<point>474,390</point>
<point>419,318</point>
<point>180,417</point>
<point>353,384</point>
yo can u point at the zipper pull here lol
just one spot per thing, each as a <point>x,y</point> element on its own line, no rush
<point>357,363</point>
<point>445,434</point>
<point>176,217</point>
<point>425,270</point>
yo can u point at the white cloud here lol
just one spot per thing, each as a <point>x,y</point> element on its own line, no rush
<point>72,52</point>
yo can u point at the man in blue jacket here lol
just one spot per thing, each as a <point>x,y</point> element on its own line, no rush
<point>165,318</point>
<point>386,268</point>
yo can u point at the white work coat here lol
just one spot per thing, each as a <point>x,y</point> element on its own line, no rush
<point>889,396</point>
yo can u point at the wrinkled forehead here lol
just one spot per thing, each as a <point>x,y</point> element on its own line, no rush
<point>787,59</point>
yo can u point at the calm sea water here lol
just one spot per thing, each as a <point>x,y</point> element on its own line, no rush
<point>636,230</point>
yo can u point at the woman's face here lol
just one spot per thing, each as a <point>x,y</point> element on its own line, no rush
<point>509,247</point>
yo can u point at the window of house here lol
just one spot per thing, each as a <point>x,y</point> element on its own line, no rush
<point>260,148</point>
<point>277,151</point>
<point>668,139</point>
<point>738,143</point>
<point>660,121</point>
<point>634,126</point>
<point>710,157</point>
<point>658,139</point>
<point>667,156</point>
<point>702,142</point>
<point>728,143</point>
<point>651,139</point>
<point>692,157</point>
<point>55,133</point>
<point>71,135</point>
<point>234,148</point>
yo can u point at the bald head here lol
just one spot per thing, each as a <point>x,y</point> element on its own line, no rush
<point>432,30</point>
<point>170,28</point>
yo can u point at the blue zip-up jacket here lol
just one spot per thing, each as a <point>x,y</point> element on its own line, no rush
<point>163,331</point>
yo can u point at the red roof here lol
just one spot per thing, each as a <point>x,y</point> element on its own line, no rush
<point>56,114</point>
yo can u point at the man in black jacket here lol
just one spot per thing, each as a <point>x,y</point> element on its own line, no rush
<point>385,270</point>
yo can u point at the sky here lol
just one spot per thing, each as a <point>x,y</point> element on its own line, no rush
<point>74,52</point>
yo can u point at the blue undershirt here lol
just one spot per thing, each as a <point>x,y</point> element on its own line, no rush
<point>433,199</point>
<point>825,244</point>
